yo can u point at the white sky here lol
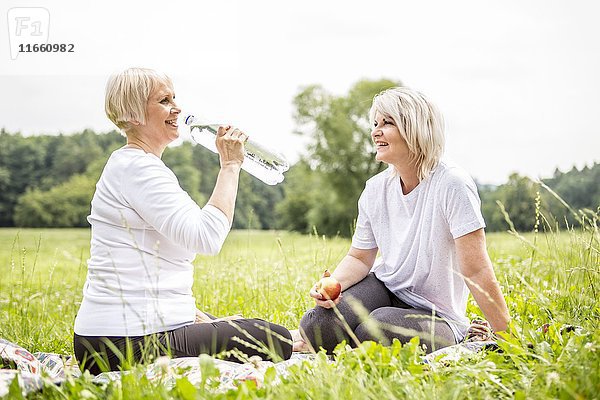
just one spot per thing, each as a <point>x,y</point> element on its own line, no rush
<point>517,81</point>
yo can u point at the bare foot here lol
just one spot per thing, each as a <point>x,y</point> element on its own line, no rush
<point>295,335</point>
<point>299,344</point>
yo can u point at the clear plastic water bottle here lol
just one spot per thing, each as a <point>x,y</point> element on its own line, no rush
<point>259,161</point>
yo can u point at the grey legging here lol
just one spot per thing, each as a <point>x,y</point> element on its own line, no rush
<point>99,353</point>
<point>393,319</point>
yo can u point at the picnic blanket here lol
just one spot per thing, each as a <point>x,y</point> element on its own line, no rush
<point>34,370</point>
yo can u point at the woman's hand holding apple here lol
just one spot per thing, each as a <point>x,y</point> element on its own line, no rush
<point>327,291</point>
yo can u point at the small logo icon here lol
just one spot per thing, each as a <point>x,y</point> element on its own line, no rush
<point>27,25</point>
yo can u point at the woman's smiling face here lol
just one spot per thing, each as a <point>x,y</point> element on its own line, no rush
<point>391,147</point>
<point>161,114</point>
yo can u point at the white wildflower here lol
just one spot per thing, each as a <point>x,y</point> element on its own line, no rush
<point>255,361</point>
<point>552,377</point>
<point>86,394</point>
<point>163,363</point>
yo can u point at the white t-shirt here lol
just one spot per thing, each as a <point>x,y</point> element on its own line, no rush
<point>146,232</point>
<point>415,235</point>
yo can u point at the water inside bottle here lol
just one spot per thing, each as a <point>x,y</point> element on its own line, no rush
<point>260,161</point>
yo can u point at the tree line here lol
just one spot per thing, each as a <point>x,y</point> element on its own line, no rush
<point>49,181</point>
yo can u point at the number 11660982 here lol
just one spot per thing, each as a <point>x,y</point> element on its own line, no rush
<point>47,48</point>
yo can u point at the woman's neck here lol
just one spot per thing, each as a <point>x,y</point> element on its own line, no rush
<point>136,142</point>
<point>408,178</point>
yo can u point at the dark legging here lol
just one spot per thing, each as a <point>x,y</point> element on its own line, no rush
<point>248,336</point>
<point>384,317</point>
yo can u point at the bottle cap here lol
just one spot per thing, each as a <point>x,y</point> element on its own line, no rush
<point>188,119</point>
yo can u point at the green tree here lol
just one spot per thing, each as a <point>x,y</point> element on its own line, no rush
<point>180,160</point>
<point>42,162</point>
<point>22,160</point>
<point>299,188</point>
<point>518,198</point>
<point>256,203</point>
<point>341,152</point>
<point>72,154</point>
<point>4,185</point>
<point>580,189</point>
<point>65,205</point>
<point>494,219</point>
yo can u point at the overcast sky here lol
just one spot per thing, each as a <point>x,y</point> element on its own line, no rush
<point>517,81</point>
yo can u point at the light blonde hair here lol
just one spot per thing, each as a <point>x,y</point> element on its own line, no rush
<point>127,94</point>
<point>420,124</point>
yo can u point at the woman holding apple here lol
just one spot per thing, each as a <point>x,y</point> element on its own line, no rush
<point>146,230</point>
<point>422,216</point>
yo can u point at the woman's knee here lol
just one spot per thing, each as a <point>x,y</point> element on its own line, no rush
<point>313,321</point>
<point>388,323</point>
<point>276,338</point>
<point>322,328</point>
<point>365,332</point>
<point>374,327</point>
<point>215,337</point>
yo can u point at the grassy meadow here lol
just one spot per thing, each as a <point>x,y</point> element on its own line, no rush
<point>547,278</point>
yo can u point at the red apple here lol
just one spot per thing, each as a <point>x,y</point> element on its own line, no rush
<point>328,286</point>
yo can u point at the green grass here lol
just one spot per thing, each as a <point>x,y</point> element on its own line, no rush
<point>550,277</point>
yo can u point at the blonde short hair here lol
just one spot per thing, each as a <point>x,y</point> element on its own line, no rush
<point>127,94</point>
<point>420,124</point>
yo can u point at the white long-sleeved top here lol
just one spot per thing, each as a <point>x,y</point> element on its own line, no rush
<point>146,231</point>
